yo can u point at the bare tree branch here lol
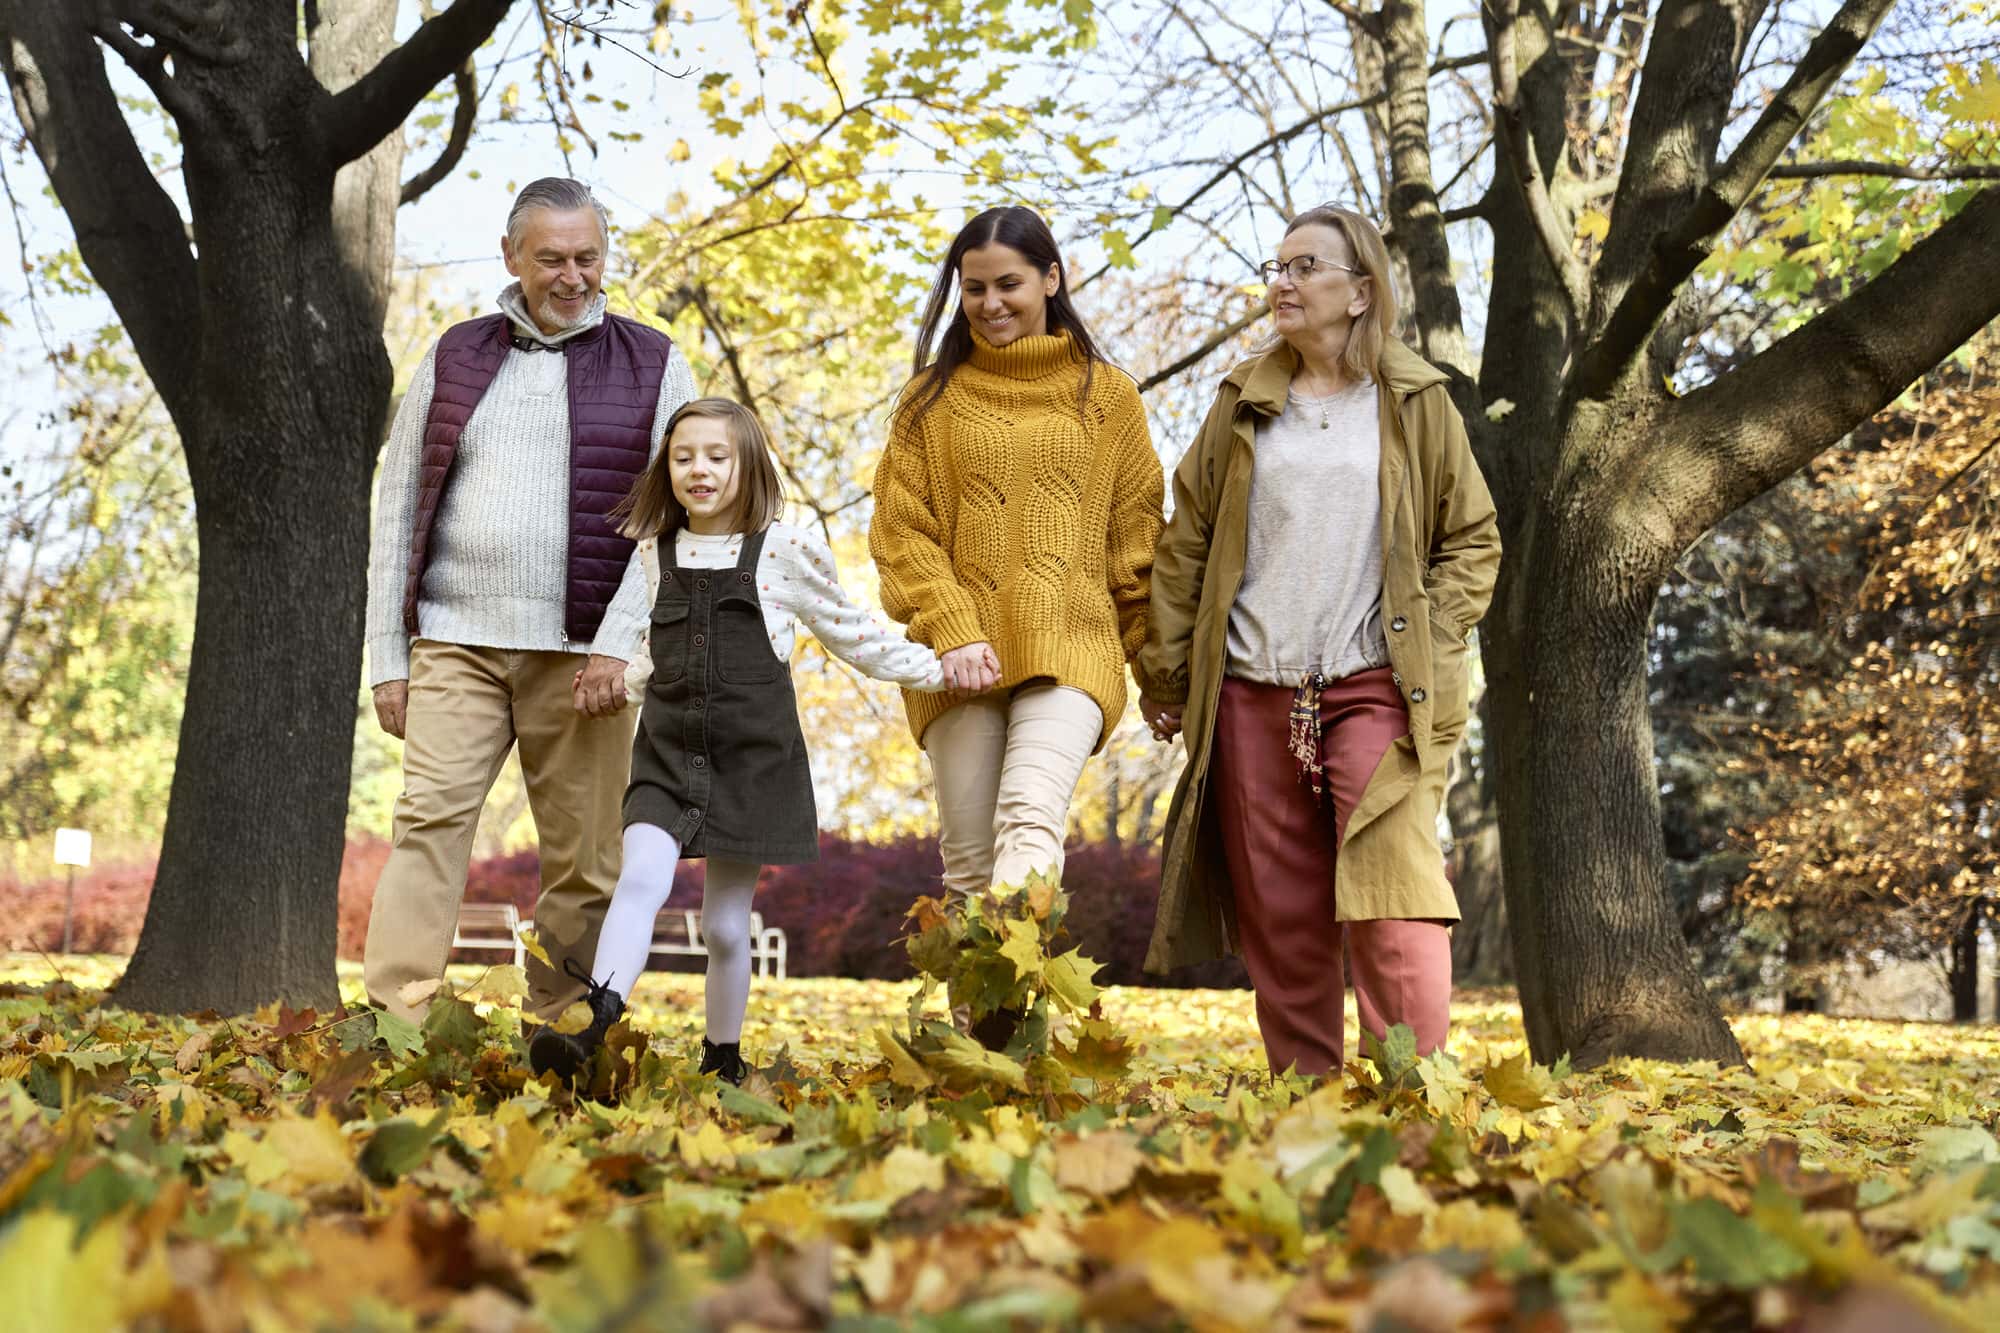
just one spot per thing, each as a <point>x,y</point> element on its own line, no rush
<point>1677,252</point>
<point>1756,425</point>
<point>1511,120</point>
<point>355,119</point>
<point>463,117</point>
<point>148,62</point>
<point>128,230</point>
<point>1208,344</point>
<point>180,33</point>
<point>1234,165</point>
<point>1961,171</point>
<point>1414,215</point>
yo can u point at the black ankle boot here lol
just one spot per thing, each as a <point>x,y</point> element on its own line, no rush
<point>569,1052</point>
<point>725,1061</point>
<point>997,1029</point>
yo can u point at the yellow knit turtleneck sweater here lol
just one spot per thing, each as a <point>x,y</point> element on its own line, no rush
<point>1007,515</point>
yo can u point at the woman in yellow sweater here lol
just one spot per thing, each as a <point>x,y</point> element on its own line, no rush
<point>1016,510</point>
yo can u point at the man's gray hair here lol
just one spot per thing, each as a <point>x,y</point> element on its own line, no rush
<point>559,193</point>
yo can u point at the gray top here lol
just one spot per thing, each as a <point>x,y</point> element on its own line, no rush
<point>1311,598</point>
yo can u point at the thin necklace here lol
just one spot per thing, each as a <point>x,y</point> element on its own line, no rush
<point>1320,403</point>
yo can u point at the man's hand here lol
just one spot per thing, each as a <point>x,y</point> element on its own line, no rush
<point>599,688</point>
<point>971,669</point>
<point>1164,719</point>
<point>392,706</point>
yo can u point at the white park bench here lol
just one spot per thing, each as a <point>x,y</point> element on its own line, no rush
<point>680,933</point>
<point>499,926</point>
<point>490,926</point>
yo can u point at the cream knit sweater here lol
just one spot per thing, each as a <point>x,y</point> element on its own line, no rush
<point>499,552</point>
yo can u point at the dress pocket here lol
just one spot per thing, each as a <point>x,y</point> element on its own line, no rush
<point>743,653</point>
<point>668,639</point>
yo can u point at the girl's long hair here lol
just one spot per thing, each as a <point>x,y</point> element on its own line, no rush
<point>651,509</point>
<point>1362,358</point>
<point>1017,228</point>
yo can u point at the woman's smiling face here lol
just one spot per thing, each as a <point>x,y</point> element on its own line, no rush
<point>1004,295</point>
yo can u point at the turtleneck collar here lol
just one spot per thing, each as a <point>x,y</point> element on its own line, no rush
<point>515,306</point>
<point>1028,358</point>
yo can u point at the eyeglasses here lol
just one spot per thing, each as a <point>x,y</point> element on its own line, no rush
<point>1298,268</point>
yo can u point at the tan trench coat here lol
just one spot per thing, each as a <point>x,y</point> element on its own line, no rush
<point>1441,550</point>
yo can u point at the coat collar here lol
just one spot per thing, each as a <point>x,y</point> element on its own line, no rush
<point>1265,381</point>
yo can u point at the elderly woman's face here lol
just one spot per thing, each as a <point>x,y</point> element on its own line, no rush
<point>1326,300</point>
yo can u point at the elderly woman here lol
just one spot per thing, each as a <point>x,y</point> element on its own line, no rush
<point>1313,598</point>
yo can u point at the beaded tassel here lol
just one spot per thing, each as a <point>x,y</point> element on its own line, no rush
<point>1305,733</point>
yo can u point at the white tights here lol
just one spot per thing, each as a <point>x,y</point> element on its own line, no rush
<point>647,879</point>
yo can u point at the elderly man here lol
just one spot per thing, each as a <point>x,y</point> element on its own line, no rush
<point>503,605</point>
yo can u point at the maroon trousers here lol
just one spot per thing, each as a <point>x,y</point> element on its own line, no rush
<point>1281,845</point>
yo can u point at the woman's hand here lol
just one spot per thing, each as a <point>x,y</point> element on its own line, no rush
<point>972,669</point>
<point>1163,719</point>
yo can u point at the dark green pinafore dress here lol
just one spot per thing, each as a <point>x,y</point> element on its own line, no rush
<point>719,761</point>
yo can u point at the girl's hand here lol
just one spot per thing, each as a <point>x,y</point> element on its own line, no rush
<point>1164,720</point>
<point>972,669</point>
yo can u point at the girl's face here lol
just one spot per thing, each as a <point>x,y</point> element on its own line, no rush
<point>1005,296</point>
<point>701,467</point>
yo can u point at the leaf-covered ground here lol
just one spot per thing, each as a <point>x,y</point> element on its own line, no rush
<point>301,1172</point>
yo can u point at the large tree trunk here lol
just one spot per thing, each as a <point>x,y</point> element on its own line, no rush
<point>1599,957</point>
<point>264,341</point>
<point>1480,949</point>
<point>1964,964</point>
<point>295,385</point>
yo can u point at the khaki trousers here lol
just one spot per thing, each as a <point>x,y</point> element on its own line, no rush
<point>1006,768</point>
<point>468,708</point>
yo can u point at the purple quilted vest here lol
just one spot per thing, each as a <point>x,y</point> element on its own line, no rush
<point>614,391</point>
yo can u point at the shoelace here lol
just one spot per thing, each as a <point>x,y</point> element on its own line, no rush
<point>597,989</point>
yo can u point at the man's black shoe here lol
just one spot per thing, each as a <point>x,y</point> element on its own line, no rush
<point>566,1053</point>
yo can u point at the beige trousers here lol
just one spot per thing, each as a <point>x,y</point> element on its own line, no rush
<point>468,708</point>
<point>1006,768</point>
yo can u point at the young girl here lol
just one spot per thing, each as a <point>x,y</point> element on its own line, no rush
<point>719,766</point>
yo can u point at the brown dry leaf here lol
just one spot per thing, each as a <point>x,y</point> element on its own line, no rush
<point>1100,1164</point>
<point>783,1291</point>
<point>418,993</point>
<point>188,1057</point>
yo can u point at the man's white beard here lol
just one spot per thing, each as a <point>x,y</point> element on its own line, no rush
<point>549,317</point>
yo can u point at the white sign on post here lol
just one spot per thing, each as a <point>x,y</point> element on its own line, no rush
<point>72,847</point>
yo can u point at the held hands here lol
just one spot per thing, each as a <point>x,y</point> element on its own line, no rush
<point>1163,719</point>
<point>971,669</point>
<point>599,689</point>
<point>392,706</point>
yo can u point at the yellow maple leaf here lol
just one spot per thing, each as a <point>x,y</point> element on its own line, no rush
<point>904,1068</point>
<point>1518,1083</point>
<point>1023,948</point>
<point>903,1172</point>
<point>52,1282</point>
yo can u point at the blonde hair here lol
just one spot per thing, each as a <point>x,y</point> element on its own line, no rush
<point>651,509</point>
<point>1363,356</point>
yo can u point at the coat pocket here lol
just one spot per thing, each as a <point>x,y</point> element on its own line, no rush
<point>1451,682</point>
<point>743,653</point>
<point>668,640</point>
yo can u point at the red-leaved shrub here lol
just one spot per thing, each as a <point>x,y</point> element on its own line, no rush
<point>842,916</point>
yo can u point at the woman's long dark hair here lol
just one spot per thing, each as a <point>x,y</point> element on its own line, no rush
<point>1017,228</point>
